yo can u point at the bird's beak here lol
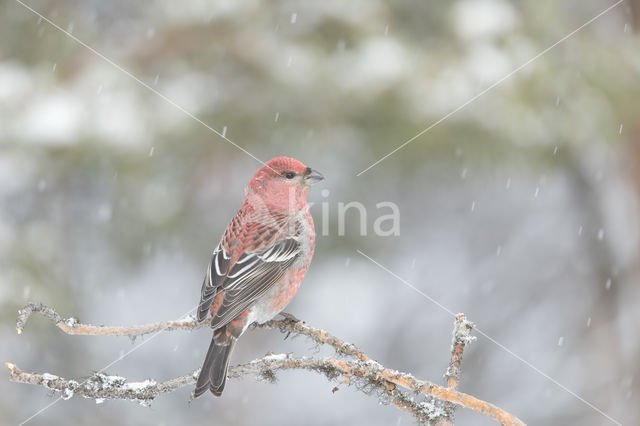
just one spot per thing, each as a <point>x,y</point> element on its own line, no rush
<point>312,176</point>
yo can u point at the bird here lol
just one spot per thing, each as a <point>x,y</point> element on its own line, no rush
<point>259,264</point>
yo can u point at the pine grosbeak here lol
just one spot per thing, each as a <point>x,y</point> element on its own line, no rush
<point>259,264</point>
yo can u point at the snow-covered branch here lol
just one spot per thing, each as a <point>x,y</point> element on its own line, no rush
<point>423,400</point>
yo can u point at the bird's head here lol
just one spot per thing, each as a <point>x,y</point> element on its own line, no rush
<point>284,182</point>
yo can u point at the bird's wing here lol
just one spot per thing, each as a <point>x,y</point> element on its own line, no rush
<point>269,249</point>
<point>221,258</point>
<point>216,272</point>
<point>252,275</point>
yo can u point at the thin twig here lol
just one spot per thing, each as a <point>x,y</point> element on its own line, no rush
<point>394,387</point>
<point>73,326</point>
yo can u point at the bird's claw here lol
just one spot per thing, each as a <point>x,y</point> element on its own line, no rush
<point>287,315</point>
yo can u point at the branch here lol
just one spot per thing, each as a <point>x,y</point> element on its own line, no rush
<point>73,326</point>
<point>367,375</point>
<point>100,386</point>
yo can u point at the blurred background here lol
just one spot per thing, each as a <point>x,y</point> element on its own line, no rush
<point>520,210</point>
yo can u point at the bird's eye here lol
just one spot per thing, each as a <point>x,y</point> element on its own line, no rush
<point>289,175</point>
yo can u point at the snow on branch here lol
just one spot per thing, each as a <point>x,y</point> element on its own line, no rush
<point>425,401</point>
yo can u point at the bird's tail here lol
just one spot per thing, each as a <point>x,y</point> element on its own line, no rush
<point>213,374</point>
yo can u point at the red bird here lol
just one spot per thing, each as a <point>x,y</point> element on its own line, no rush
<point>259,264</point>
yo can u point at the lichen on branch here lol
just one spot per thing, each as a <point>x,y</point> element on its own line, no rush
<point>421,399</point>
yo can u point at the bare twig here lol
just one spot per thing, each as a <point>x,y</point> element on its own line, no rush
<point>73,326</point>
<point>461,336</point>
<point>397,388</point>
